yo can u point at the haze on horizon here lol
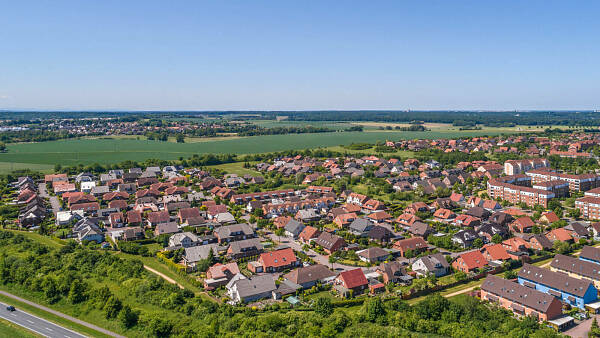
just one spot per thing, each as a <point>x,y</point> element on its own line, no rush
<point>280,55</point>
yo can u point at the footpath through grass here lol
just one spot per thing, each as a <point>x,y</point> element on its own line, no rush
<point>155,264</point>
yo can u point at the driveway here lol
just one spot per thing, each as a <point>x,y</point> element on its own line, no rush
<point>581,330</point>
<point>53,199</point>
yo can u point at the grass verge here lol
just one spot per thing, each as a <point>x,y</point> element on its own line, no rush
<point>51,317</point>
<point>12,330</point>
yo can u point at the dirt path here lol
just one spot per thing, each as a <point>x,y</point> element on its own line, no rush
<point>163,276</point>
<point>62,315</point>
<point>456,293</point>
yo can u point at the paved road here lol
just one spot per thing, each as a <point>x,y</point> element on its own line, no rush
<point>36,324</point>
<point>581,330</point>
<point>60,314</point>
<point>317,257</point>
<point>53,199</point>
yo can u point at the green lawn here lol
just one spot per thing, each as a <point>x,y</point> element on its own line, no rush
<point>11,330</point>
<point>114,150</point>
<point>50,241</point>
<point>236,168</point>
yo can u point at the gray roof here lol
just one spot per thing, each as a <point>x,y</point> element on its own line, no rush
<point>361,225</point>
<point>197,253</point>
<point>519,294</point>
<point>576,266</point>
<point>327,240</point>
<point>591,253</point>
<point>555,280</point>
<point>309,274</point>
<point>239,246</point>
<point>228,230</point>
<point>373,252</point>
<point>420,228</point>
<point>255,286</point>
<point>101,189</point>
<point>294,227</point>
<point>435,261</point>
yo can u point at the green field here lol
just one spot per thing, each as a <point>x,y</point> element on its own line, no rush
<point>115,150</point>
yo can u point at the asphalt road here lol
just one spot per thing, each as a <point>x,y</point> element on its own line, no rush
<point>54,203</point>
<point>36,324</point>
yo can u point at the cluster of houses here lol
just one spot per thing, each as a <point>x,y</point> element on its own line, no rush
<point>543,293</point>
<point>32,208</point>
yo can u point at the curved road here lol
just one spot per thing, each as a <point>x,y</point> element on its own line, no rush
<point>44,327</point>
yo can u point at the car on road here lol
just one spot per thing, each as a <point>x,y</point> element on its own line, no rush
<point>10,308</point>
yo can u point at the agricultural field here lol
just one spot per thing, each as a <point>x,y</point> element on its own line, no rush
<point>115,150</point>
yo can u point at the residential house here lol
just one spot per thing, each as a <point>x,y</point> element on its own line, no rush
<point>235,232</point>
<point>373,254</point>
<point>244,290</point>
<point>311,275</point>
<point>244,248</point>
<point>414,245</point>
<point>220,274</point>
<point>184,239</point>
<point>470,261</point>
<point>351,282</point>
<point>293,228</point>
<point>435,264</point>
<point>330,242</point>
<point>394,272</point>
<point>360,226</point>
<point>278,260</point>
<point>572,291</point>
<point>520,299</point>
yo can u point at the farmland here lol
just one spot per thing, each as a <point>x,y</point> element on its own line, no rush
<point>115,150</point>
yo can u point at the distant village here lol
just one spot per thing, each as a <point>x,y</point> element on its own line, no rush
<point>355,226</point>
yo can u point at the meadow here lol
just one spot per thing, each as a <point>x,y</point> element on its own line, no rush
<point>116,149</point>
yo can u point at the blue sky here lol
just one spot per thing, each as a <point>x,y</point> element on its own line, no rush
<point>299,55</point>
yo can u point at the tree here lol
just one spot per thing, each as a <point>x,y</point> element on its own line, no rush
<point>180,138</point>
<point>460,276</point>
<point>323,307</point>
<point>112,307</point>
<point>127,317</point>
<point>574,213</point>
<point>497,238</point>
<point>76,292</point>
<point>279,232</point>
<point>159,327</point>
<point>510,274</point>
<point>561,247</point>
<point>478,243</point>
<point>374,309</point>
<point>50,290</point>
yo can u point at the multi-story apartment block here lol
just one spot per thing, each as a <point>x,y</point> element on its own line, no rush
<point>589,207</point>
<point>513,167</point>
<point>581,182</point>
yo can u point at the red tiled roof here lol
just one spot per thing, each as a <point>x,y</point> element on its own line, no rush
<point>277,258</point>
<point>353,278</point>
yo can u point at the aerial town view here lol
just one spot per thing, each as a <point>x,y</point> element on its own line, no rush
<point>319,169</point>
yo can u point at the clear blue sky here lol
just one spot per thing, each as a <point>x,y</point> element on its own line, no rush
<point>295,55</point>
